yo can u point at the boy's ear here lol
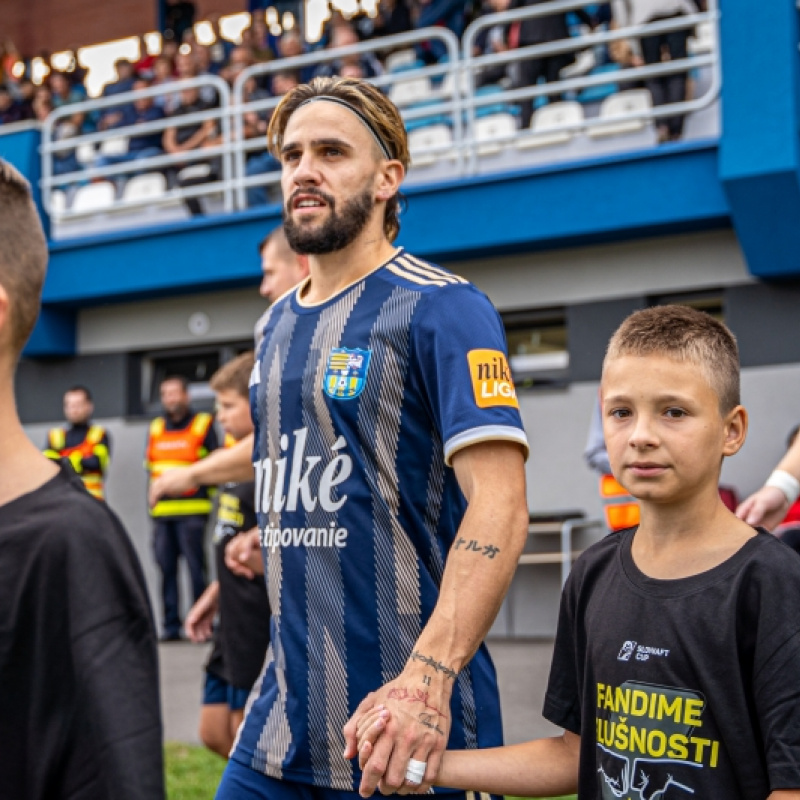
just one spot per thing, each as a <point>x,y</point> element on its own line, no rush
<point>5,311</point>
<point>735,430</point>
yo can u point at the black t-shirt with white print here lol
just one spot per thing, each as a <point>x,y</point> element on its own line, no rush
<point>242,635</point>
<point>681,688</point>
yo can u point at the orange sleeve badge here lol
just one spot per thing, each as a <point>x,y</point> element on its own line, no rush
<point>491,379</point>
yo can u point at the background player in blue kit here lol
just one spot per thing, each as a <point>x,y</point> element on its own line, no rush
<point>390,483</point>
<point>678,640</point>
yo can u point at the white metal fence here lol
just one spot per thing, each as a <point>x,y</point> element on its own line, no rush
<point>456,126</point>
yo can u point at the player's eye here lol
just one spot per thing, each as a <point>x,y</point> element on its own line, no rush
<point>675,413</point>
<point>619,413</point>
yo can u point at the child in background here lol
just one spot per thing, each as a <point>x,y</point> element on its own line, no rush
<point>242,633</point>
<point>678,643</point>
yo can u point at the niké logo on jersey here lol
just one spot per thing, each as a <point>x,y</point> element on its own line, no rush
<point>346,372</point>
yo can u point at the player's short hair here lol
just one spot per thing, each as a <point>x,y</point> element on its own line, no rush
<point>683,334</point>
<point>234,375</point>
<point>23,254</point>
<point>376,111</point>
<point>82,389</point>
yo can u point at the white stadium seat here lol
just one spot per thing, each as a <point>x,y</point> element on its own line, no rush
<point>400,58</point>
<point>150,186</point>
<point>622,104</point>
<point>494,131</point>
<point>428,144</point>
<point>58,202</point>
<point>93,197</point>
<point>410,90</point>
<point>703,40</point>
<point>117,146</point>
<point>548,125</point>
<point>85,153</point>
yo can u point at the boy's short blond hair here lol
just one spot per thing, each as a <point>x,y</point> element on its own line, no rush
<point>235,375</point>
<point>683,334</point>
<point>23,254</point>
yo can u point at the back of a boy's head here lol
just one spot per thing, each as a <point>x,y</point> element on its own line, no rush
<point>235,375</point>
<point>23,255</point>
<point>683,334</point>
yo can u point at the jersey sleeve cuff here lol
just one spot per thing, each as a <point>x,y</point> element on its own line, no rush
<point>486,433</point>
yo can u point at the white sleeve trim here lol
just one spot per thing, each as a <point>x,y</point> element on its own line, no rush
<point>486,433</point>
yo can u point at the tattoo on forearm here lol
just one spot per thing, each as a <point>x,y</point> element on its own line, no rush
<point>437,667</point>
<point>473,545</point>
<point>429,722</point>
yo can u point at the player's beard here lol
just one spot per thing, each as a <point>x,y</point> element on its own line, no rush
<point>337,232</point>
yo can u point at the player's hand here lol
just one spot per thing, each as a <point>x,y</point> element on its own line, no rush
<point>417,726</point>
<point>199,622</point>
<point>173,483</point>
<point>243,554</point>
<point>766,507</point>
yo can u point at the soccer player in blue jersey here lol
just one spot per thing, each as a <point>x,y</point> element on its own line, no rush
<point>389,465</point>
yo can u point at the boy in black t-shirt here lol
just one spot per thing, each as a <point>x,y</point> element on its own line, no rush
<point>677,653</point>
<point>79,709</point>
<point>242,633</point>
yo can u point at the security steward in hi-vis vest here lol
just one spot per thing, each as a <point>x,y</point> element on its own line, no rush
<point>86,446</point>
<point>621,509</point>
<point>177,439</point>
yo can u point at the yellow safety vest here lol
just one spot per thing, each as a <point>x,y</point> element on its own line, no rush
<point>621,509</point>
<point>90,446</point>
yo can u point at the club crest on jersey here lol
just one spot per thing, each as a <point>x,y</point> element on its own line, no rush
<point>346,373</point>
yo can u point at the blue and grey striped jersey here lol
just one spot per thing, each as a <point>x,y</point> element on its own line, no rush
<point>359,403</point>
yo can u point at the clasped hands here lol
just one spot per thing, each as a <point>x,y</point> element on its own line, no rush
<point>399,734</point>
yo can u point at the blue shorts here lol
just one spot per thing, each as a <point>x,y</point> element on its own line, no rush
<point>217,691</point>
<point>242,783</point>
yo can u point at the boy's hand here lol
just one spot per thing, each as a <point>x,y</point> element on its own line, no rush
<point>243,554</point>
<point>173,483</point>
<point>767,507</point>
<point>199,621</point>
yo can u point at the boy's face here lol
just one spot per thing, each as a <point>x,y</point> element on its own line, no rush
<point>233,413</point>
<point>663,428</point>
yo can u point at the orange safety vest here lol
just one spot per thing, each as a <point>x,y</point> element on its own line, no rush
<point>621,509</point>
<point>180,448</point>
<point>90,446</point>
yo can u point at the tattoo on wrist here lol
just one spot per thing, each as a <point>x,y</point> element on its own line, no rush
<point>429,722</point>
<point>437,667</point>
<point>474,546</point>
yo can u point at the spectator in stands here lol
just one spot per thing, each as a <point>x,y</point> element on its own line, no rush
<point>188,137</point>
<point>443,13</point>
<point>12,110</point>
<point>113,117</point>
<point>42,103</point>
<point>186,67</point>
<point>659,48</point>
<point>345,36</point>
<point>62,94</point>
<point>143,67</point>
<point>540,30</point>
<point>494,40</point>
<point>261,162</point>
<point>144,145</point>
<point>241,58</point>
<point>394,16</point>
<point>291,45</point>
<point>262,42</point>
<point>163,74</point>
<point>23,93</point>
<point>178,18</point>
<point>220,50</point>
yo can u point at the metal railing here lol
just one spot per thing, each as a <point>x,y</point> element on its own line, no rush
<point>453,98</point>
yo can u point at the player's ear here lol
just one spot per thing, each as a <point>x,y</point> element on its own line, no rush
<point>735,430</point>
<point>390,176</point>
